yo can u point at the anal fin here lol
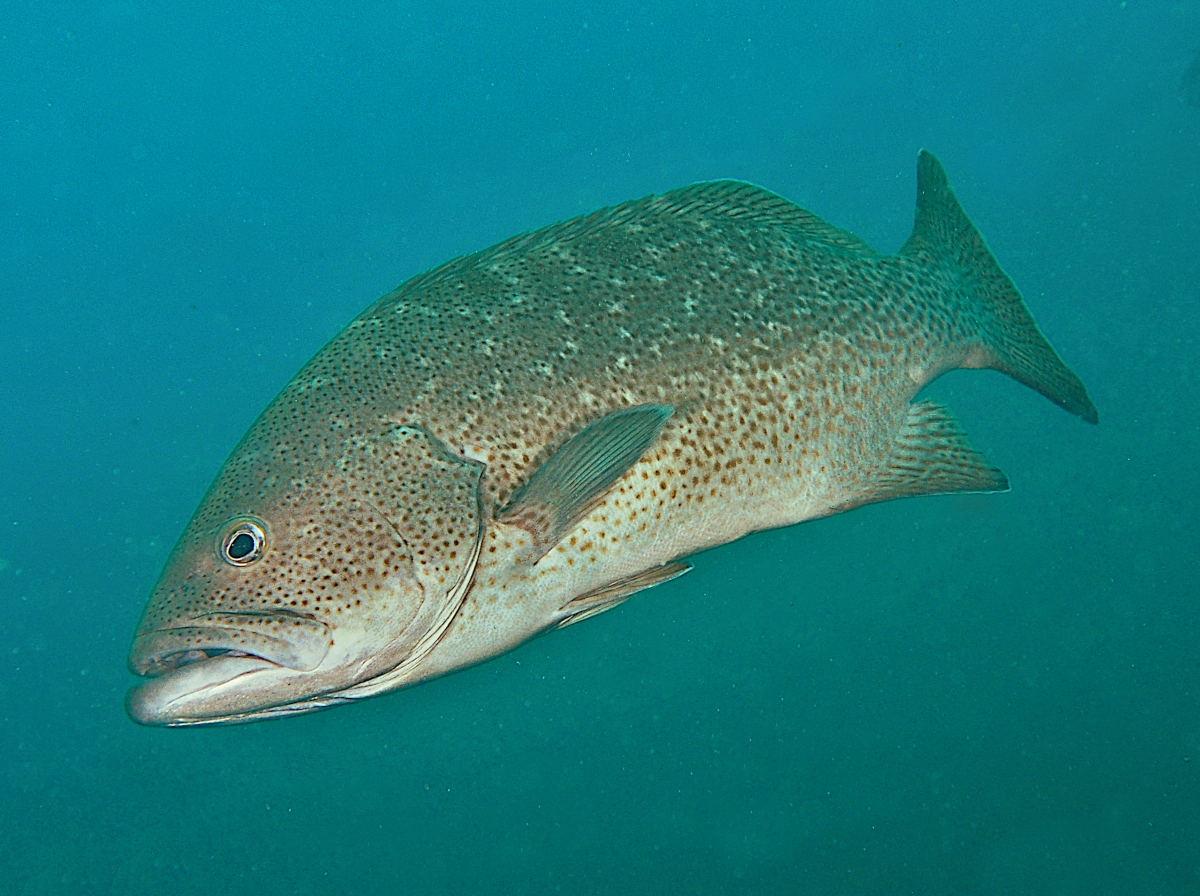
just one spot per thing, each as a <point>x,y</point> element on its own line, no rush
<point>610,595</point>
<point>932,456</point>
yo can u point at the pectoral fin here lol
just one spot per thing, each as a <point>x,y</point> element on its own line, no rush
<point>618,592</point>
<point>932,456</point>
<point>576,476</point>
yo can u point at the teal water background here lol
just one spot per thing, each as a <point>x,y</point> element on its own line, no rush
<point>967,695</point>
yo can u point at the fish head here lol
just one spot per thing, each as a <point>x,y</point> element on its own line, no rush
<point>287,591</point>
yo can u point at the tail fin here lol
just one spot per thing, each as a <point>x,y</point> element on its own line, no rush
<point>1013,344</point>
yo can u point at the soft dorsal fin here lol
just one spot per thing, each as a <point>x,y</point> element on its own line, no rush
<point>576,476</point>
<point>708,200</point>
<point>742,200</point>
<point>932,456</point>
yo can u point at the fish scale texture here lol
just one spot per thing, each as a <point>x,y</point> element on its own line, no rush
<point>753,317</point>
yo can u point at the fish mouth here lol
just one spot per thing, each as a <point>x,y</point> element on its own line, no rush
<point>197,692</point>
<point>165,664</point>
<point>211,667</point>
<point>281,638</point>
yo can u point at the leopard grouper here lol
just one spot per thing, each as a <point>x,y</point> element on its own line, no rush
<point>526,436</point>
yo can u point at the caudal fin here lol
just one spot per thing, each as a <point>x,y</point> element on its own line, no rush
<point>1012,342</point>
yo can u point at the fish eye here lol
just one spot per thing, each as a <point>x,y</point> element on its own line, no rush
<point>244,543</point>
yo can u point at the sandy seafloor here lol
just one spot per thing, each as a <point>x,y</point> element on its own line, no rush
<point>968,695</point>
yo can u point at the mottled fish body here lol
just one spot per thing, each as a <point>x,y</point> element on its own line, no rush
<point>526,436</point>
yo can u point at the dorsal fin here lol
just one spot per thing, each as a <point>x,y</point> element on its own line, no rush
<point>714,199</point>
<point>735,199</point>
<point>741,200</point>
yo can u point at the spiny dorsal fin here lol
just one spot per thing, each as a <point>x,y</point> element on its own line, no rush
<point>576,476</point>
<point>710,200</point>
<point>932,456</point>
<point>713,199</point>
<point>588,605</point>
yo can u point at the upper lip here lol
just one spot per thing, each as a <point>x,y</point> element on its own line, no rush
<point>278,637</point>
<point>164,663</point>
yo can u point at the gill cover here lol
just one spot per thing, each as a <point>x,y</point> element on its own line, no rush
<point>430,496</point>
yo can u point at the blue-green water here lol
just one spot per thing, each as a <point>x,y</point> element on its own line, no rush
<point>971,695</point>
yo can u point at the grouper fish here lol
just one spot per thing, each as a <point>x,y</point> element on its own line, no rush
<point>526,436</point>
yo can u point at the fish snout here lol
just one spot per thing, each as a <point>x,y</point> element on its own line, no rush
<point>210,669</point>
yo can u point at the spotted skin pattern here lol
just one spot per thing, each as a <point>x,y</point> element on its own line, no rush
<point>788,353</point>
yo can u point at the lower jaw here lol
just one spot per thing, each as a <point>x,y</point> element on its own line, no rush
<point>196,692</point>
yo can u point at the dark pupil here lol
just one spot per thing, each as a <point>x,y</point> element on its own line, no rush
<point>241,546</point>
